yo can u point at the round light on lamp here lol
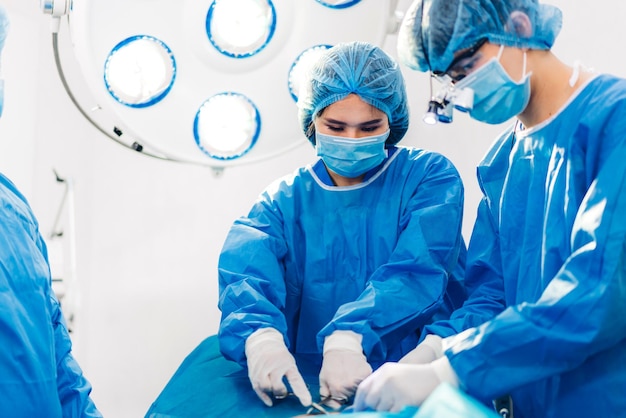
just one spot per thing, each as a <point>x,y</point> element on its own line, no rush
<point>240,28</point>
<point>301,65</point>
<point>139,71</point>
<point>338,4</point>
<point>227,126</point>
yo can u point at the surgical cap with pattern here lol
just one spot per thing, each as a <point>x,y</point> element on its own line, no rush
<point>433,30</point>
<point>362,69</point>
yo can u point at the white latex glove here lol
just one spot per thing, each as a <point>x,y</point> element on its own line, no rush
<point>395,386</point>
<point>344,366</point>
<point>269,361</point>
<point>428,350</point>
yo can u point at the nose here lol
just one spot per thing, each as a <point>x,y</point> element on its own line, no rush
<point>354,132</point>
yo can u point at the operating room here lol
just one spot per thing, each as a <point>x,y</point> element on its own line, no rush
<point>132,203</point>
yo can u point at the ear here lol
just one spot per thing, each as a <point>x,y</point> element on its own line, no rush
<point>519,24</point>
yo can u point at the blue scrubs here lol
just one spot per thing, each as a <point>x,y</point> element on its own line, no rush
<point>548,257</point>
<point>381,258</point>
<point>38,375</point>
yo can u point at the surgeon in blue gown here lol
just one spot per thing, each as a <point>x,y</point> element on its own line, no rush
<point>545,320</point>
<point>38,375</point>
<point>348,258</point>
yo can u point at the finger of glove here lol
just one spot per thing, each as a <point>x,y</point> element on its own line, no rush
<point>362,392</point>
<point>343,385</point>
<point>278,388</point>
<point>324,389</point>
<point>330,386</point>
<point>267,400</point>
<point>332,401</point>
<point>298,386</point>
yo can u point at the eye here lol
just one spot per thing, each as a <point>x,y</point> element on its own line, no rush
<point>334,128</point>
<point>462,69</point>
<point>370,128</point>
<point>456,77</point>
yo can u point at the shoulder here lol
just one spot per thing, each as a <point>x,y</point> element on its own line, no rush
<point>14,204</point>
<point>601,107</point>
<point>499,148</point>
<point>286,185</point>
<point>425,160</point>
<point>605,94</point>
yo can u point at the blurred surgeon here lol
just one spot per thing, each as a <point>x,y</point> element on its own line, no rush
<point>546,271</point>
<point>38,375</point>
<point>348,258</point>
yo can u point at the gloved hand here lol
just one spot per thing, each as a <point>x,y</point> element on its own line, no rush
<point>268,362</point>
<point>428,350</point>
<point>344,366</point>
<point>394,386</point>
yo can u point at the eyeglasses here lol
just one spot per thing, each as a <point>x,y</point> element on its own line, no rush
<point>455,73</point>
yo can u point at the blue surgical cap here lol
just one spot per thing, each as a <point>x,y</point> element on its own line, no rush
<point>434,30</point>
<point>362,69</point>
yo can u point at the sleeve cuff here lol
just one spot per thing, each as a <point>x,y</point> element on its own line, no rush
<point>344,340</point>
<point>434,342</point>
<point>262,336</point>
<point>445,372</point>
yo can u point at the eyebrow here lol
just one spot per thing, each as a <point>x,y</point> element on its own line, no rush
<point>338,122</point>
<point>467,53</point>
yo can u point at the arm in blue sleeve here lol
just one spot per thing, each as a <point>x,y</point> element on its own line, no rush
<point>579,314</point>
<point>72,386</point>
<point>483,280</point>
<point>34,326</point>
<point>251,278</point>
<point>403,294</point>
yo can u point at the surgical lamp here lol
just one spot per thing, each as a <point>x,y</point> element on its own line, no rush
<point>207,82</point>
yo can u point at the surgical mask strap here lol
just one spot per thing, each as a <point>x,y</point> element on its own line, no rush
<point>575,74</point>
<point>524,61</point>
<point>500,52</point>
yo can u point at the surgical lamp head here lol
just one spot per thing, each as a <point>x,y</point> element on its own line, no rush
<point>355,68</point>
<point>433,31</point>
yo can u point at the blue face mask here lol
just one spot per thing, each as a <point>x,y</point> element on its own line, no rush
<point>497,97</point>
<point>351,157</point>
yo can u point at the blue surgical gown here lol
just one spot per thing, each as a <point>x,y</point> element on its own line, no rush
<point>38,375</point>
<point>381,258</point>
<point>547,258</point>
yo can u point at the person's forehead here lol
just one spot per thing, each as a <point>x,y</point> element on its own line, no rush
<point>351,104</point>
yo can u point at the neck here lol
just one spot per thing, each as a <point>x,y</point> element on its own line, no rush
<point>342,181</point>
<point>550,87</point>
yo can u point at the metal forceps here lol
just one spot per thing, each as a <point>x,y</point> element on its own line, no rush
<point>314,409</point>
<point>318,408</point>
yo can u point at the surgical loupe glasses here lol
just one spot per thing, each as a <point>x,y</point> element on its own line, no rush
<point>447,98</point>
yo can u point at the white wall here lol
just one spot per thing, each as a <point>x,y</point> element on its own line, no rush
<point>149,232</point>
